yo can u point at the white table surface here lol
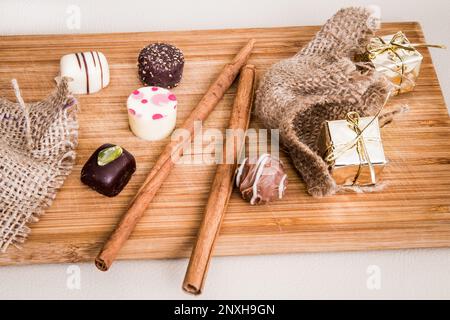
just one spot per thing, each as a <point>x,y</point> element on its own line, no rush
<point>406,274</point>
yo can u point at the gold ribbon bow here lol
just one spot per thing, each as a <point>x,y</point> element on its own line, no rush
<point>378,46</point>
<point>353,121</point>
<point>333,153</point>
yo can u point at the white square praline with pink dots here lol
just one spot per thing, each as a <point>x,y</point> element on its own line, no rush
<point>152,113</point>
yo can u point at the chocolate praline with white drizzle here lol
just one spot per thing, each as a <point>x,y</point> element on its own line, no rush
<point>161,65</point>
<point>261,180</point>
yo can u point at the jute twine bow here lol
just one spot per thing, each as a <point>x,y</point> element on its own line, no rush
<point>378,46</point>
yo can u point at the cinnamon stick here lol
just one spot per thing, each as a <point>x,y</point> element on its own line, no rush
<point>221,188</point>
<point>165,162</point>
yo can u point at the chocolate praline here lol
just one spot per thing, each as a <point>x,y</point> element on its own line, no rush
<point>109,178</point>
<point>261,180</point>
<point>161,65</point>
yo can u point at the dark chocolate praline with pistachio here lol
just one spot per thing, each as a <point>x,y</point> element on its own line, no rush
<point>161,65</point>
<point>108,170</point>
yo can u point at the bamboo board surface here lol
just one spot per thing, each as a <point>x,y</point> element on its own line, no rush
<point>412,212</point>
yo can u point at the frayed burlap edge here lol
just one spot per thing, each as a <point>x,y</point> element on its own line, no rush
<point>64,168</point>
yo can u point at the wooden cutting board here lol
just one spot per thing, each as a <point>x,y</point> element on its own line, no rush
<point>412,212</point>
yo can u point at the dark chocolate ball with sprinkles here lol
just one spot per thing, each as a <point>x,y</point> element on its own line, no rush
<point>161,65</point>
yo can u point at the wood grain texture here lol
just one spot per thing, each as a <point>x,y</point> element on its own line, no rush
<point>412,212</point>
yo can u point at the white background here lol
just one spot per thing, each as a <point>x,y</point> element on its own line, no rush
<point>404,274</point>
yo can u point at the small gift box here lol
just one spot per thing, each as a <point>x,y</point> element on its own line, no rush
<point>353,150</point>
<point>397,59</point>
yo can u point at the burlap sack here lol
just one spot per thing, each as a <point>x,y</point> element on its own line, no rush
<point>37,143</point>
<point>321,82</point>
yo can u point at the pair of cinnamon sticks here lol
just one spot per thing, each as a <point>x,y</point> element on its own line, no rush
<point>223,182</point>
<point>222,186</point>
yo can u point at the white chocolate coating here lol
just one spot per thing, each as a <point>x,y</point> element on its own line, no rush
<point>152,113</point>
<point>89,71</point>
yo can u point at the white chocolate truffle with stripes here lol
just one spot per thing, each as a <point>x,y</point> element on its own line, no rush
<point>152,113</point>
<point>89,71</point>
<point>261,180</point>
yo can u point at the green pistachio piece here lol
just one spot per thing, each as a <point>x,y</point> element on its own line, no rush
<point>108,155</point>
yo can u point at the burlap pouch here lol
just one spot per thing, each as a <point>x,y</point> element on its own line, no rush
<point>37,143</point>
<point>322,82</point>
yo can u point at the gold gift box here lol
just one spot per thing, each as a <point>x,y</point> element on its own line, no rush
<point>347,167</point>
<point>397,59</point>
